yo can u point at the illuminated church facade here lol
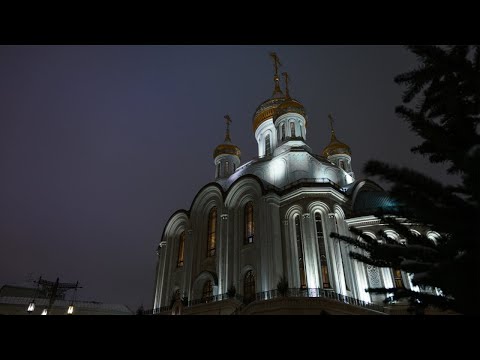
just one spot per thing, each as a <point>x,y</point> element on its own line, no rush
<point>270,219</point>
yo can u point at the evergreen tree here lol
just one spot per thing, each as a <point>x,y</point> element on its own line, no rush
<point>444,91</point>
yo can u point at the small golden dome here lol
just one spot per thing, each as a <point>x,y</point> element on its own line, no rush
<point>289,106</point>
<point>266,110</point>
<point>336,147</point>
<point>228,149</point>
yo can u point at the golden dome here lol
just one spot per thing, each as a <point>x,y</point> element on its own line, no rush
<point>336,147</point>
<point>289,106</point>
<point>228,149</point>
<point>266,110</point>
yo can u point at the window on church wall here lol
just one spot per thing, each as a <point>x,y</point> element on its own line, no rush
<point>226,167</point>
<point>249,223</point>
<point>212,233</point>
<point>207,292</point>
<point>292,130</point>
<point>301,259</point>
<point>397,276</point>
<point>181,249</point>
<point>283,132</point>
<point>323,252</point>
<point>249,286</point>
<point>234,167</point>
<point>342,164</point>
<point>268,150</point>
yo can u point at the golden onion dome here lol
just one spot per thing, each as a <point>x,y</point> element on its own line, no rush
<point>266,110</point>
<point>289,106</point>
<point>227,149</point>
<point>336,147</point>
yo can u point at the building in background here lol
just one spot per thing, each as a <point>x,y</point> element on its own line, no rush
<point>267,222</point>
<point>17,300</point>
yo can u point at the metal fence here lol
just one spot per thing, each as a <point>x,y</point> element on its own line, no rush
<point>273,294</point>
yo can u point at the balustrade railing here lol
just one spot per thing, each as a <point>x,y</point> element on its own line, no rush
<point>273,294</point>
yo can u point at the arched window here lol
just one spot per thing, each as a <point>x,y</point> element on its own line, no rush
<point>207,292</point>
<point>301,259</point>
<point>226,171</point>
<point>249,286</point>
<point>212,232</point>
<point>181,249</point>
<point>342,164</point>
<point>249,224</point>
<point>283,132</point>
<point>323,252</point>
<point>268,150</point>
<point>292,129</point>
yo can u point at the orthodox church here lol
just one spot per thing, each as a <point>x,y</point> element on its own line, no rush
<point>256,239</point>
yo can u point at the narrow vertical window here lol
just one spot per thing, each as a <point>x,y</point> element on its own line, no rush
<point>283,132</point>
<point>323,252</point>
<point>207,292</point>
<point>226,172</point>
<point>249,224</point>
<point>212,233</point>
<point>268,150</point>
<point>397,275</point>
<point>292,129</point>
<point>342,164</point>
<point>249,286</point>
<point>181,249</point>
<point>301,260</point>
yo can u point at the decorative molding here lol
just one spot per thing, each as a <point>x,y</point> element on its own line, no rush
<point>162,244</point>
<point>224,216</point>
<point>189,232</point>
<point>285,222</point>
<point>306,216</point>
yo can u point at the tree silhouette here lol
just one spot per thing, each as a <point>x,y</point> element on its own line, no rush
<point>444,91</point>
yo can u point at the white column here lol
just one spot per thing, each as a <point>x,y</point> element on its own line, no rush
<point>264,260</point>
<point>274,246</point>
<point>188,263</point>
<point>161,274</point>
<point>309,249</point>
<point>333,249</point>
<point>222,253</point>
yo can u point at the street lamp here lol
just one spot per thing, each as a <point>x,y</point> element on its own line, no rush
<point>70,308</point>
<point>31,306</point>
<point>52,290</point>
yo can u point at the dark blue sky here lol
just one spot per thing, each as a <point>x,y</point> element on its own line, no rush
<point>99,145</point>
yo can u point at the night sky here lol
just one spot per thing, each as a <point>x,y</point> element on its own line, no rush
<point>99,145</point>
